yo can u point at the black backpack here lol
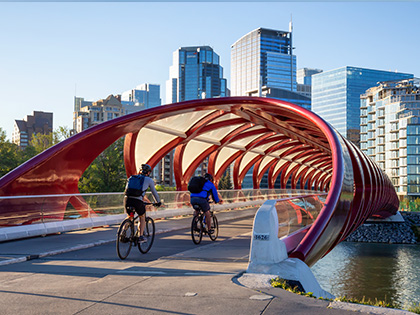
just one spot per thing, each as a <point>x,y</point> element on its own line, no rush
<point>134,185</point>
<point>196,184</point>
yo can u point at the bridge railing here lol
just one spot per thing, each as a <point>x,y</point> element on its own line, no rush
<point>279,225</point>
<point>46,214</point>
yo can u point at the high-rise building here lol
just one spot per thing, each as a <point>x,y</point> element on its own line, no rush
<point>304,80</point>
<point>390,132</point>
<point>38,122</point>
<point>93,113</point>
<point>284,95</point>
<point>336,96</point>
<point>141,97</point>
<point>263,58</point>
<point>195,74</point>
<point>263,64</point>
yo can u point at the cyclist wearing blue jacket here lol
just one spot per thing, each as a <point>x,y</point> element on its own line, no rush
<point>202,199</point>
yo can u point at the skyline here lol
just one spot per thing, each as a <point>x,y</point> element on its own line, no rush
<point>55,51</point>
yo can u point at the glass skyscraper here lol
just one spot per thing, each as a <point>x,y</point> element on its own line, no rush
<point>263,58</point>
<point>141,97</point>
<point>336,96</point>
<point>390,132</point>
<point>195,74</point>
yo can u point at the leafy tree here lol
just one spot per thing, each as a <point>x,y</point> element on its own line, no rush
<point>225,181</point>
<point>107,172</point>
<point>40,142</point>
<point>10,155</point>
<point>60,134</point>
<point>160,187</point>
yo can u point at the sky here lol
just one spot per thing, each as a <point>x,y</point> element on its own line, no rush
<point>53,51</point>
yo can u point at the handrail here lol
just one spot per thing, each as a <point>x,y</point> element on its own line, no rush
<point>45,214</point>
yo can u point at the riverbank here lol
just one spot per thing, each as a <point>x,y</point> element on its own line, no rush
<point>391,233</point>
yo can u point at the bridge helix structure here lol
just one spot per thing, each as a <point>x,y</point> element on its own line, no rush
<point>294,147</point>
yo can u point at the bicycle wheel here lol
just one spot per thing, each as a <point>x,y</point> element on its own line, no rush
<point>124,238</point>
<point>149,233</point>
<point>197,229</point>
<point>215,227</point>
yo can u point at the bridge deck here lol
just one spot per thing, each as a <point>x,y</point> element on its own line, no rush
<point>176,277</point>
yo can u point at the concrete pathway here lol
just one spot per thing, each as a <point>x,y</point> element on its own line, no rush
<point>176,277</point>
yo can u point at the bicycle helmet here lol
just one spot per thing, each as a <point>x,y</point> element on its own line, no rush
<point>145,169</point>
<point>209,177</point>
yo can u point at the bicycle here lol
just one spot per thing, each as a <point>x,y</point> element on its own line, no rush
<point>127,235</point>
<point>198,226</point>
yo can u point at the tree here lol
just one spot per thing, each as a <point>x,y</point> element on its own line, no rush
<point>40,142</point>
<point>10,155</point>
<point>107,172</point>
<point>225,181</point>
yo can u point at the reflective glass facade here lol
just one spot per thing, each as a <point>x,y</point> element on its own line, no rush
<point>195,74</point>
<point>263,57</point>
<point>336,96</point>
<point>143,96</point>
<point>304,75</point>
<point>390,132</point>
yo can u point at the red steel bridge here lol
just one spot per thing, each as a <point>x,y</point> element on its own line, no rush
<point>286,141</point>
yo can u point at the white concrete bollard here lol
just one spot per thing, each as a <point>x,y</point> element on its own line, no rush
<point>268,254</point>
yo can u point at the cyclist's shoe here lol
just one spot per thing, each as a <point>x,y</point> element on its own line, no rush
<point>210,231</point>
<point>142,239</point>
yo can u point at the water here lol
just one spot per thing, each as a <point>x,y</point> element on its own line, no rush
<point>374,271</point>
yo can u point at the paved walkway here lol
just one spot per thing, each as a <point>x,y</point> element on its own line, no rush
<point>176,277</point>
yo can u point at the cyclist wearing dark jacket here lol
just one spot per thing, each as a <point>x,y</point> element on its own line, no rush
<point>137,202</point>
<point>202,198</point>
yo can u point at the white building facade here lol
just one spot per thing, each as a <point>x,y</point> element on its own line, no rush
<point>390,132</point>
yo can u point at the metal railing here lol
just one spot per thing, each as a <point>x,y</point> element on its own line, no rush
<point>26,216</point>
<point>55,208</point>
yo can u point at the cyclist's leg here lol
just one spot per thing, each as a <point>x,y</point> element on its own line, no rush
<point>127,205</point>
<point>142,224</point>
<point>141,211</point>
<point>206,209</point>
<point>196,201</point>
<point>208,220</point>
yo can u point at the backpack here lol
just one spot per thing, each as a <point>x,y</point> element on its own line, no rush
<point>196,184</point>
<point>134,186</point>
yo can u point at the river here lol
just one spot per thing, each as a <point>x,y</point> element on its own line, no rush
<point>374,271</point>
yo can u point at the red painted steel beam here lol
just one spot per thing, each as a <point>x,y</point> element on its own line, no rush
<point>357,188</point>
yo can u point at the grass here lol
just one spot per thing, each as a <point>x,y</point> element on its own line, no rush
<point>415,308</point>
<point>285,285</point>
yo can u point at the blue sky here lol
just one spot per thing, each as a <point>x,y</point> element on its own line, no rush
<point>50,51</point>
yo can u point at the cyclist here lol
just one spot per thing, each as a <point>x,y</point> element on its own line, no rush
<point>202,199</point>
<point>137,201</point>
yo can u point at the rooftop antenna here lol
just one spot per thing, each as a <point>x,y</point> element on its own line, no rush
<point>291,54</point>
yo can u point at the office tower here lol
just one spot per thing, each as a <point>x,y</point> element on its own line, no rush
<point>38,122</point>
<point>263,64</point>
<point>93,113</point>
<point>141,97</point>
<point>292,97</point>
<point>195,74</point>
<point>79,102</point>
<point>336,96</point>
<point>304,80</point>
<point>263,58</point>
<point>390,132</point>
